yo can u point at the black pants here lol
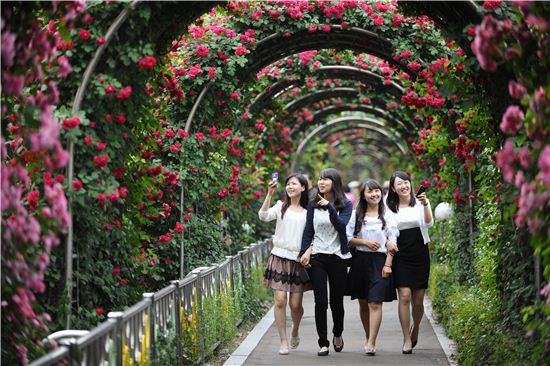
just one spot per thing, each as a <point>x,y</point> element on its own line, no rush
<point>334,268</point>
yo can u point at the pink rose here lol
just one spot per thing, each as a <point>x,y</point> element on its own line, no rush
<point>512,120</point>
<point>516,90</point>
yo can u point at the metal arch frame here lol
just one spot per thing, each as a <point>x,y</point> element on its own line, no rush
<point>77,103</point>
<point>369,123</point>
<point>320,95</point>
<point>269,49</point>
<point>378,112</point>
<point>334,71</point>
<point>316,97</point>
<point>361,122</point>
<point>374,139</point>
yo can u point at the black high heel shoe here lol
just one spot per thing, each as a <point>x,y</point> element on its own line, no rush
<point>414,341</point>
<point>338,348</point>
<point>407,351</point>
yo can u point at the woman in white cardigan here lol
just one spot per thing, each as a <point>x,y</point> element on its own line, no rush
<point>284,273</point>
<point>411,265</point>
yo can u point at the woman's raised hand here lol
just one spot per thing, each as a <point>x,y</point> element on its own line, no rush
<point>271,187</point>
<point>322,202</point>
<point>423,199</point>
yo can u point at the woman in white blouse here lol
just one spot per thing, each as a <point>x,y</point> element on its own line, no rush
<point>370,277</point>
<point>411,267</point>
<point>284,273</point>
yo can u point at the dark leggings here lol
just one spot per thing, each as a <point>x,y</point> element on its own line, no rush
<point>334,268</point>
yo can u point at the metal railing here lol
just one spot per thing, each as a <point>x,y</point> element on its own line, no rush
<point>130,337</point>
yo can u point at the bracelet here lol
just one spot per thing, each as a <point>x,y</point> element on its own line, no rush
<point>385,265</point>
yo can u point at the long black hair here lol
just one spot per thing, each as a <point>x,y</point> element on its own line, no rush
<point>304,197</point>
<point>361,209</point>
<point>393,199</point>
<point>340,198</point>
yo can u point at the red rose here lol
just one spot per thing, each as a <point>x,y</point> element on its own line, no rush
<point>147,63</point>
<point>202,51</point>
<point>116,271</point>
<point>123,282</point>
<point>100,40</point>
<point>100,161</point>
<point>32,199</point>
<point>179,227</point>
<point>99,311</point>
<point>124,93</point>
<point>77,185</point>
<point>109,89</point>
<point>70,123</point>
<point>84,34</point>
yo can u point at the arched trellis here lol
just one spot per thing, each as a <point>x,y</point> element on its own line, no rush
<point>339,72</point>
<point>276,47</point>
<point>349,122</point>
<point>172,27</point>
<point>320,95</point>
<point>319,115</point>
<point>346,133</point>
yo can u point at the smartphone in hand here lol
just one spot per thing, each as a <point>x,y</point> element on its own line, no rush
<point>421,190</point>
<point>275,177</point>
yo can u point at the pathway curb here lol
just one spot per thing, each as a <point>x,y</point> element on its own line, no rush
<point>448,345</point>
<point>251,341</point>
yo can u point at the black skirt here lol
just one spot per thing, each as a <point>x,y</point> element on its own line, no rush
<point>365,279</point>
<point>411,264</point>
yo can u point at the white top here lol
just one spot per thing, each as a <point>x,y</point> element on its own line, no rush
<point>287,239</point>
<point>372,230</point>
<point>411,217</point>
<point>325,239</point>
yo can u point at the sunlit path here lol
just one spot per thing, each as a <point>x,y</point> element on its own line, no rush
<point>388,350</point>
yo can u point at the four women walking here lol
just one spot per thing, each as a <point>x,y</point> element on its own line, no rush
<point>389,253</point>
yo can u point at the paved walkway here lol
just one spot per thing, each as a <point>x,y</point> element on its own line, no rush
<point>388,348</point>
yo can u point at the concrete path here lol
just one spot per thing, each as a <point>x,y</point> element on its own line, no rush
<point>388,347</point>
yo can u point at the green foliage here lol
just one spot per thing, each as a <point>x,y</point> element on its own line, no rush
<point>472,318</point>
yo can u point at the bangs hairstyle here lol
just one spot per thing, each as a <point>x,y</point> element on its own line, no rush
<point>340,198</point>
<point>304,196</point>
<point>393,199</point>
<point>362,206</point>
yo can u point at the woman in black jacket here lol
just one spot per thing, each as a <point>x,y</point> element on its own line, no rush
<point>325,252</point>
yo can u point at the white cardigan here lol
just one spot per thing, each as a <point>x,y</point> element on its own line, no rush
<point>411,217</point>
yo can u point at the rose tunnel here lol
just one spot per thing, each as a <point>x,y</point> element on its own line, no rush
<point>173,114</point>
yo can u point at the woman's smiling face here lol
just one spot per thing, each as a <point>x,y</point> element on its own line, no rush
<point>294,188</point>
<point>402,187</point>
<point>373,196</point>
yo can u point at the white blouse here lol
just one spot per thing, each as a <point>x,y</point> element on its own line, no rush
<point>287,239</point>
<point>411,217</point>
<point>372,230</point>
<point>325,239</point>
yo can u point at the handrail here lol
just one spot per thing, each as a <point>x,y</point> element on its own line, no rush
<point>135,332</point>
